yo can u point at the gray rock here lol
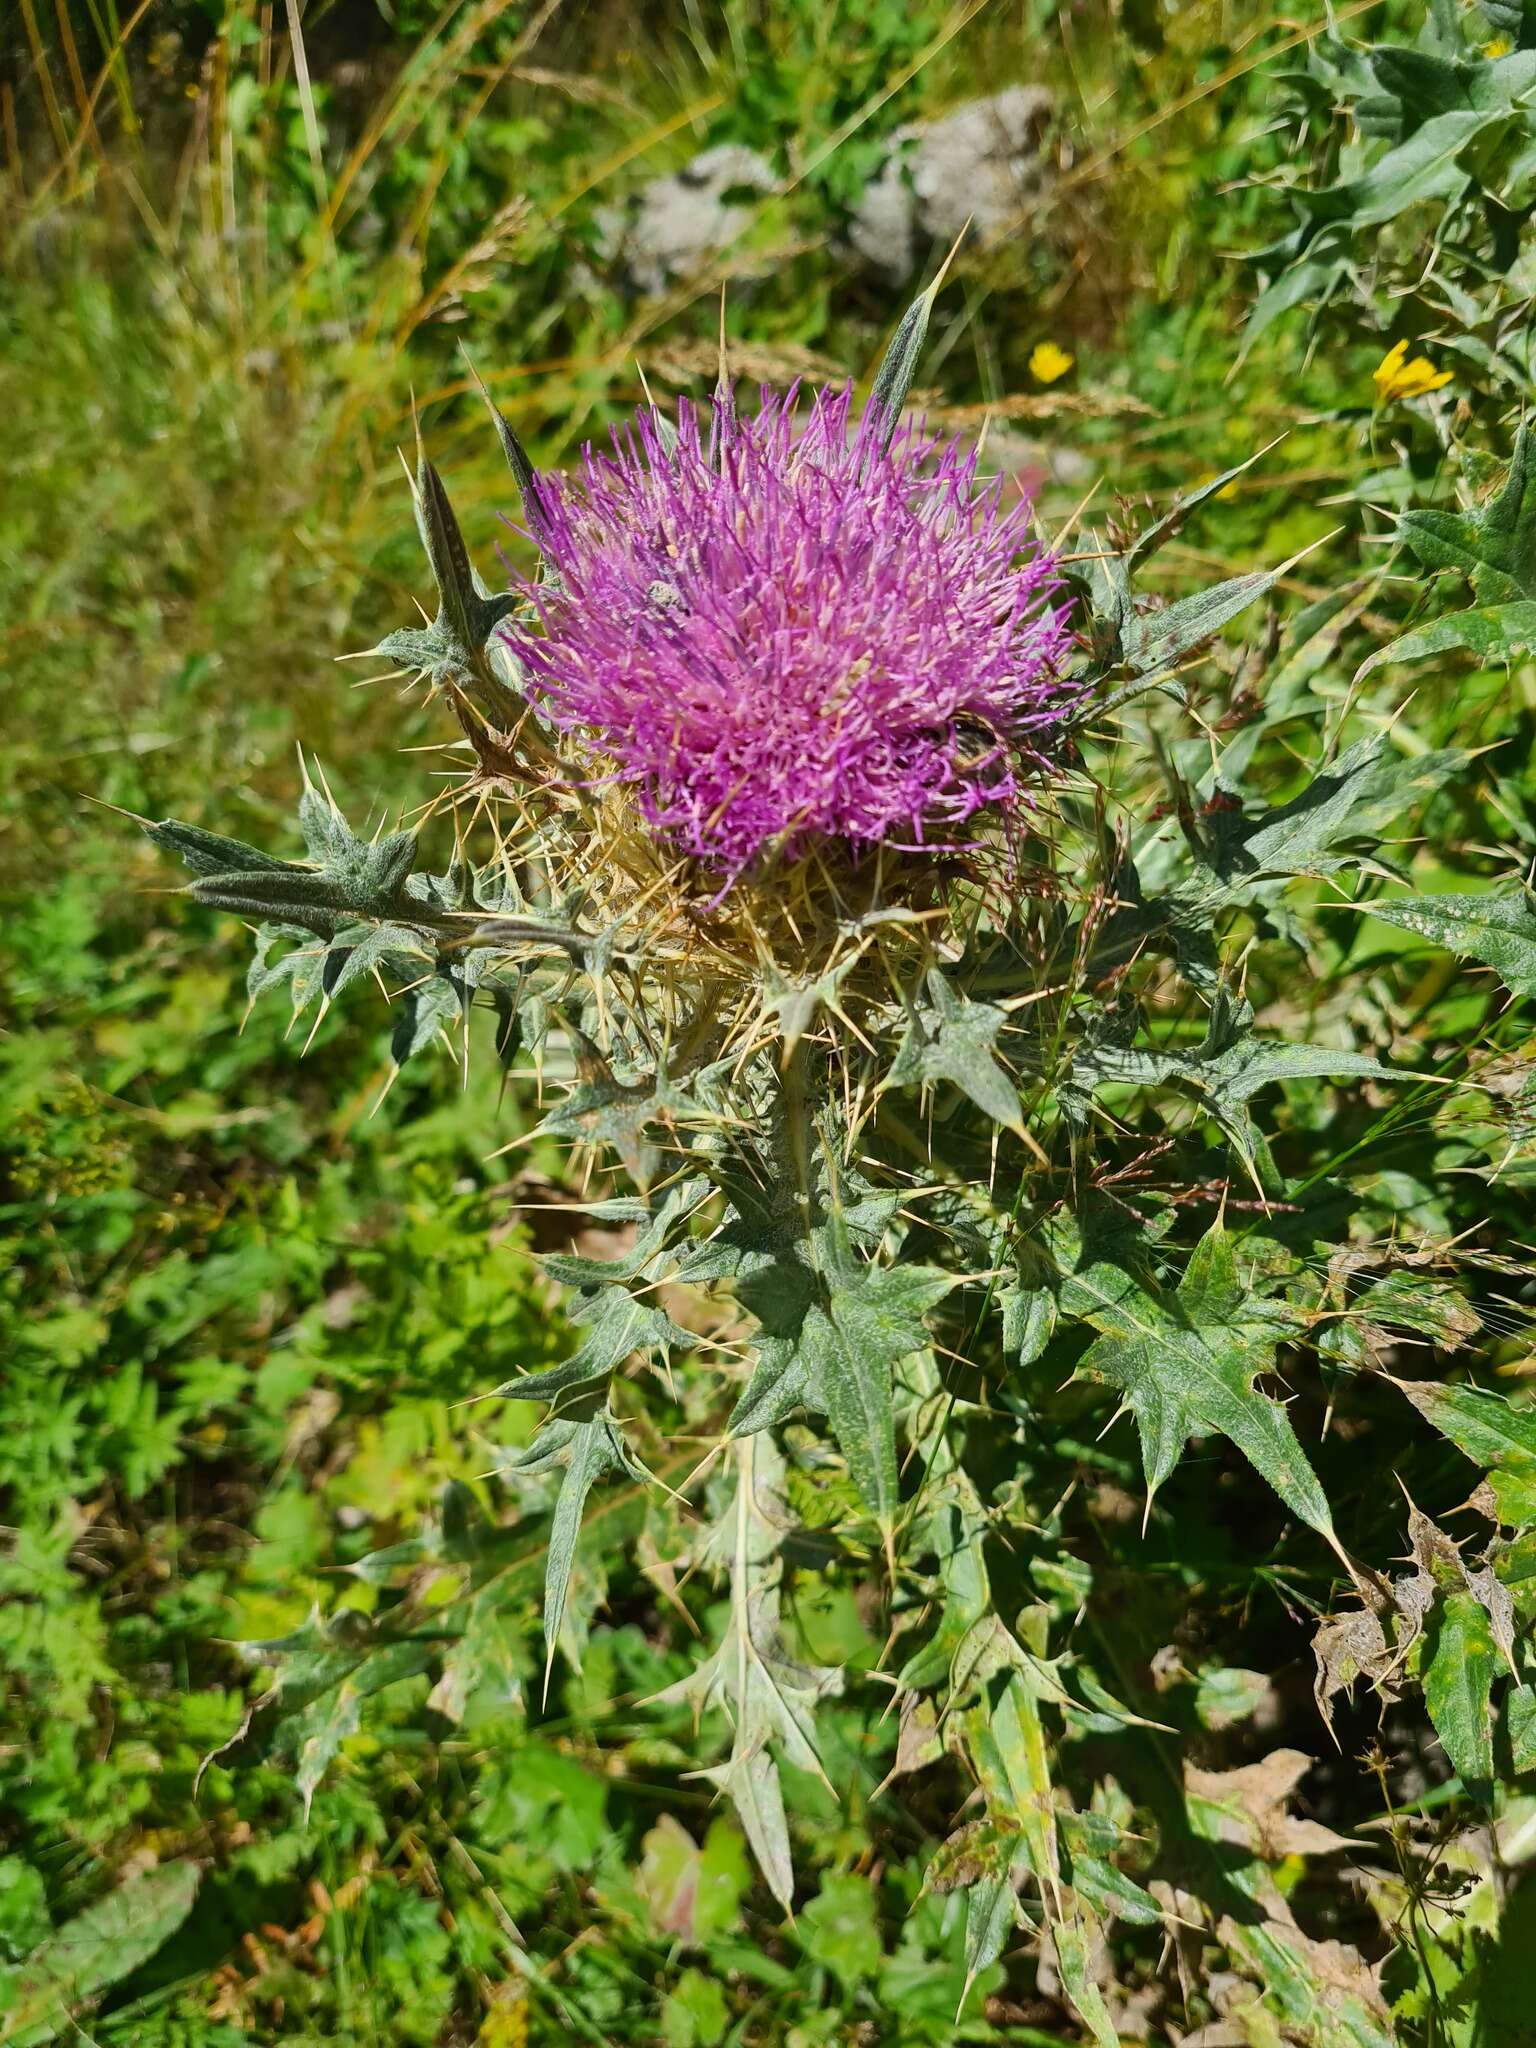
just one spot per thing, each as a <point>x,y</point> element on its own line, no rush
<point>982,162</point>
<point>674,224</point>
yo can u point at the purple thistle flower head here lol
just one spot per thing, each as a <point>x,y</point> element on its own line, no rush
<point>778,630</point>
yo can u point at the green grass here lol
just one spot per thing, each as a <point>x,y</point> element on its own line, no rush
<point>246,1308</point>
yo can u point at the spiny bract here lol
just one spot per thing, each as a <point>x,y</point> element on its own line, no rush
<point>778,628</point>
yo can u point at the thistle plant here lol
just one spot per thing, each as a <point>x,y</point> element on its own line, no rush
<point>917,1073</point>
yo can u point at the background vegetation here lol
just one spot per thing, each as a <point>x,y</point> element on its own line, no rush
<point>251,1289</point>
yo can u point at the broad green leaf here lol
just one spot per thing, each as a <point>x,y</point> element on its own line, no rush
<point>1458,1670</point>
<point>1490,1427</point>
<point>1425,166</point>
<point>983,1860</point>
<point>1318,278</point>
<point>94,1951</point>
<point>991,1914</point>
<point>1029,1323</point>
<point>839,1929</point>
<point>1008,1750</point>
<point>1185,1364</point>
<point>1086,1842</point>
<point>1522,1727</point>
<point>1497,930</point>
<point>1494,546</point>
<point>1494,633</point>
<point>693,1891</point>
<point>1495,1434</point>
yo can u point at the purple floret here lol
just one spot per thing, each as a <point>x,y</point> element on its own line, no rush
<point>781,633</point>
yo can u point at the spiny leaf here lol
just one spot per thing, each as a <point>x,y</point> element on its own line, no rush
<point>209,853</point>
<point>1153,643</point>
<point>751,1783</point>
<point>955,1040</point>
<point>839,1360</point>
<point>1006,1741</point>
<point>582,1447</point>
<point>1368,786</point>
<point>1497,929</point>
<point>616,1326</point>
<point>853,1346</point>
<point>1494,633</point>
<point>1493,546</point>
<point>893,379</point>
<point>770,1697</point>
<point>1425,166</point>
<point>422,1013</point>
<point>1186,1364</point>
<point>1071,1943</point>
<point>1226,1071</point>
<point>898,366</point>
<point>524,475</point>
<point>94,1951</point>
<point>1147,544</point>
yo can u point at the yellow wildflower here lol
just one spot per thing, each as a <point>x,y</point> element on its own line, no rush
<point>1047,362</point>
<point>1499,47</point>
<point>1396,377</point>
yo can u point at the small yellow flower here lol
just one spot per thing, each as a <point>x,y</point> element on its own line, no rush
<point>1047,362</point>
<point>1499,47</point>
<point>1227,490</point>
<point>1396,377</point>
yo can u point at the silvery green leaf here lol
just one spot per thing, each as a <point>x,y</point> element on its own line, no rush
<point>1185,1365</point>
<point>1493,545</point>
<point>96,1949</point>
<point>898,366</point>
<point>751,1783</point>
<point>524,475</point>
<point>1494,633</point>
<point>209,853</point>
<point>352,954</point>
<point>581,1448</point>
<point>1147,544</point>
<point>422,1013</point>
<point>955,1041</point>
<point>1497,929</point>
<point>615,1327</point>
